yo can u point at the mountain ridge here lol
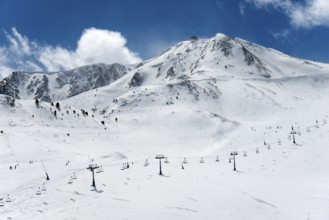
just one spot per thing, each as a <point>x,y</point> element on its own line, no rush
<point>221,55</point>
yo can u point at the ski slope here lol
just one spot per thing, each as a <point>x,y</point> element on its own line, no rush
<point>287,181</point>
<point>197,109</point>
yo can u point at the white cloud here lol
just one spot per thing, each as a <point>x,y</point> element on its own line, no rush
<point>242,8</point>
<point>94,46</point>
<point>284,36</point>
<point>281,34</point>
<point>220,4</point>
<point>310,13</point>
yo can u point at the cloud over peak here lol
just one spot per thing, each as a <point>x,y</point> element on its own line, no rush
<point>94,46</point>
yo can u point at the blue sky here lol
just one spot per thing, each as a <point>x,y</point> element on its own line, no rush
<point>52,35</point>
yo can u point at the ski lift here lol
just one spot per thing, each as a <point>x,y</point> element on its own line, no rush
<point>101,169</point>
<point>98,170</point>
<point>70,181</point>
<point>74,176</point>
<point>1,202</point>
<point>146,163</point>
<point>245,154</point>
<point>217,159</point>
<point>201,160</point>
<point>43,188</point>
<point>123,167</point>
<point>316,124</point>
<point>8,198</point>
<point>257,151</point>
<point>38,193</point>
<point>166,160</point>
<point>289,136</point>
<point>279,142</point>
<point>185,161</point>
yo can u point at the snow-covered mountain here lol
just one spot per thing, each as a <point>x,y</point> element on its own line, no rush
<point>224,57</point>
<point>221,57</point>
<point>60,85</point>
<point>199,99</point>
<point>225,75</point>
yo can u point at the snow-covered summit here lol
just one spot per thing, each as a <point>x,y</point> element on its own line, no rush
<point>224,57</point>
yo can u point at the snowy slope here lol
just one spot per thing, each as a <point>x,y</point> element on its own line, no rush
<point>184,104</point>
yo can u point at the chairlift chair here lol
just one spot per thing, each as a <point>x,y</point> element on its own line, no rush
<point>146,163</point>
<point>268,147</point>
<point>123,167</point>
<point>74,176</point>
<point>43,188</point>
<point>70,181</point>
<point>185,161</point>
<point>8,198</point>
<point>217,159</point>
<point>1,202</point>
<point>245,154</point>
<point>257,150</point>
<point>317,124</point>
<point>166,160</point>
<point>38,192</point>
<point>201,160</point>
